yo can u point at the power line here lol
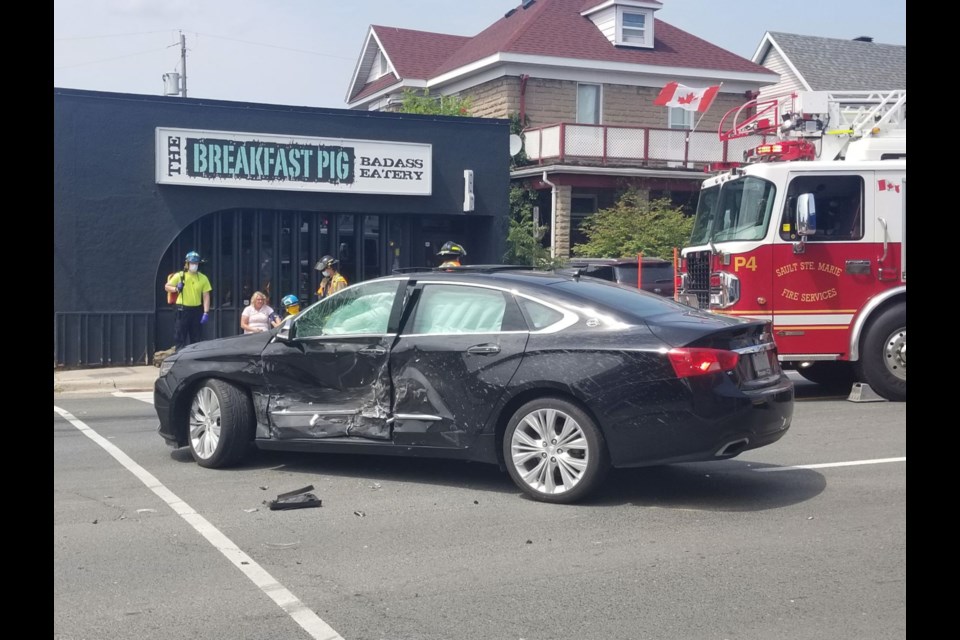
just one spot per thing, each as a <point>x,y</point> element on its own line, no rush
<point>129,55</point>
<point>258,44</point>
<point>273,46</point>
<point>112,35</point>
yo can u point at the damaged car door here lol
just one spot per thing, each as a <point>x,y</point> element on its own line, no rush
<point>327,377</point>
<point>454,357</point>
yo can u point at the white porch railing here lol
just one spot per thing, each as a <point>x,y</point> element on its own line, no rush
<point>626,146</point>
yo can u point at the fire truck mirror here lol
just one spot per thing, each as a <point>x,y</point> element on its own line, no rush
<point>806,215</point>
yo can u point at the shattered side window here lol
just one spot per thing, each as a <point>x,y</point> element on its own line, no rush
<point>356,310</point>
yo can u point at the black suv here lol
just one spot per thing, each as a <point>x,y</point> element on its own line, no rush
<point>658,274</point>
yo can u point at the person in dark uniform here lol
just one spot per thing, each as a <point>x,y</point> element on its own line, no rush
<point>451,253</point>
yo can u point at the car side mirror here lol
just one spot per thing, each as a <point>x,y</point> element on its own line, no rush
<point>286,332</point>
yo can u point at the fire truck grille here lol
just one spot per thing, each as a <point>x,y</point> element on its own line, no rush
<point>698,277</point>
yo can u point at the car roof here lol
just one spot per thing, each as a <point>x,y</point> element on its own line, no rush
<point>614,261</point>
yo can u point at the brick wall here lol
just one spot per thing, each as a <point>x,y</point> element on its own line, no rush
<point>552,101</point>
<point>561,239</point>
<point>495,99</point>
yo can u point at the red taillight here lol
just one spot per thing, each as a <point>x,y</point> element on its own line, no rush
<point>690,362</point>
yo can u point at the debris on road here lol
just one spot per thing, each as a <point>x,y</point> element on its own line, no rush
<point>359,514</point>
<point>299,499</point>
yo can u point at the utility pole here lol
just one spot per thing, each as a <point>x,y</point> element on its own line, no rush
<point>183,64</point>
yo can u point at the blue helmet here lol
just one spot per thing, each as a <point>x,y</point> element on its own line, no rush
<point>193,256</point>
<point>290,300</point>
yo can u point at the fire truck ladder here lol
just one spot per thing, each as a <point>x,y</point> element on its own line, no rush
<point>797,120</point>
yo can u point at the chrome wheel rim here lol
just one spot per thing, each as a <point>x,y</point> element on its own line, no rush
<point>895,353</point>
<point>549,451</point>
<point>205,423</point>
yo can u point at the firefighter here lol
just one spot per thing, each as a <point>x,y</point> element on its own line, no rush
<point>332,280</point>
<point>450,253</point>
<point>291,307</point>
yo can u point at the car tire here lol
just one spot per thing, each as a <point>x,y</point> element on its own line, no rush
<point>554,452</point>
<point>835,376</point>
<point>883,355</point>
<point>220,424</point>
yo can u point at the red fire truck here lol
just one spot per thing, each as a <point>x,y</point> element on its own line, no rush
<point>810,233</point>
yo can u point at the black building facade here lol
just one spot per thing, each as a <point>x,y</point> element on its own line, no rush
<point>261,192</point>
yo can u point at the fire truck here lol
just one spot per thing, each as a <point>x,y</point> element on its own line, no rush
<point>809,232</point>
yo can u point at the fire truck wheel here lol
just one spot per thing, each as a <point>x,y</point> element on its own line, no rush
<point>836,376</point>
<point>883,356</point>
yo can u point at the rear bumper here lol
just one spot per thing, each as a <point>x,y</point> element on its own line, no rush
<point>730,422</point>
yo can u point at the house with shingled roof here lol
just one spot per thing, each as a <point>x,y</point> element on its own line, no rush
<point>581,76</point>
<point>814,63</point>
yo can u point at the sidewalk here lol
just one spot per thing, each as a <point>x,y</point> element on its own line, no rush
<point>105,380</point>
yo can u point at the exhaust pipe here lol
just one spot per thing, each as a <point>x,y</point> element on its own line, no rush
<point>732,448</point>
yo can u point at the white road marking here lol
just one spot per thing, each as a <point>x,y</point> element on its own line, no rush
<point>143,396</point>
<point>831,464</point>
<point>301,614</point>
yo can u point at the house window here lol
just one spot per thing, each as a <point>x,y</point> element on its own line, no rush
<point>634,28</point>
<point>588,104</point>
<point>680,118</point>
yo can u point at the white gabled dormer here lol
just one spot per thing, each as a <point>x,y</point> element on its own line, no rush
<point>373,64</point>
<point>378,67</point>
<point>625,23</point>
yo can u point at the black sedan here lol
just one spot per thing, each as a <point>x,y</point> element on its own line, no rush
<point>554,377</point>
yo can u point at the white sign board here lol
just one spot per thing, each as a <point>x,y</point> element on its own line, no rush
<point>261,161</point>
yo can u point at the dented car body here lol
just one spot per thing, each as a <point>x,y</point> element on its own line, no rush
<point>554,377</point>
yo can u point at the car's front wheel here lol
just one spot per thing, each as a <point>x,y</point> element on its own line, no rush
<point>554,451</point>
<point>221,424</point>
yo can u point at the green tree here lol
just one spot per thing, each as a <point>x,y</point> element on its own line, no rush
<point>424,103</point>
<point>635,225</point>
<point>524,244</point>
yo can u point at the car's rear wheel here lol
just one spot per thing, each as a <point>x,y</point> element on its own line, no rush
<point>221,424</point>
<point>554,451</point>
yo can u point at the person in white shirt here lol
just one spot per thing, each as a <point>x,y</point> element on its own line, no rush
<point>256,317</point>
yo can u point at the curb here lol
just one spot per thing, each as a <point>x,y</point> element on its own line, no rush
<point>91,381</point>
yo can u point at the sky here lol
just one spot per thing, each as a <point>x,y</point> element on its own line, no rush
<point>304,52</point>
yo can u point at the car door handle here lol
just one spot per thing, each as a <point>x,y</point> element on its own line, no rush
<point>484,349</point>
<point>373,351</point>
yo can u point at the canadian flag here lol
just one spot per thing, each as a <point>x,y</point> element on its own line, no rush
<point>684,97</point>
<point>886,185</point>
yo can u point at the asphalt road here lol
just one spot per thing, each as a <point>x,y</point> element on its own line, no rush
<point>149,545</point>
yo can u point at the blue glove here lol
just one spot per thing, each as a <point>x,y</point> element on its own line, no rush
<point>204,318</point>
<point>179,286</point>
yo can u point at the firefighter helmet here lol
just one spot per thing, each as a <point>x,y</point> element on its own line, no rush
<point>451,248</point>
<point>193,256</point>
<point>325,262</point>
<point>290,300</point>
